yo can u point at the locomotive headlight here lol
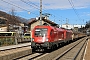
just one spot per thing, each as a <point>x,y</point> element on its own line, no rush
<point>46,39</point>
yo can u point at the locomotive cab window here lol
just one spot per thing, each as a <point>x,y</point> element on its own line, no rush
<point>40,32</point>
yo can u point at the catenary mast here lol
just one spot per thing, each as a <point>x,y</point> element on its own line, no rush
<point>40,12</point>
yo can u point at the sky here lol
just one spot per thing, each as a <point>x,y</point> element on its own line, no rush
<point>61,11</point>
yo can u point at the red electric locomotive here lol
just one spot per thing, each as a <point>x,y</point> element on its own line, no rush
<point>49,37</point>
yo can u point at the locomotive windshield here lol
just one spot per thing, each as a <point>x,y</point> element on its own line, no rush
<point>40,32</point>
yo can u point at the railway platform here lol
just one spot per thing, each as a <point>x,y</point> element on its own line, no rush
<point>87,51</point>
<point>14,51</point>
<point>14,46</point>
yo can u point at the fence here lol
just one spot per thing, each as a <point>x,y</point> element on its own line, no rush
<point>7,40</point>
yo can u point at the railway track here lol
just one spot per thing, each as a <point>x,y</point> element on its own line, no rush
<point>73,52</point>
<point>30,56</point>
<point>63,53</point>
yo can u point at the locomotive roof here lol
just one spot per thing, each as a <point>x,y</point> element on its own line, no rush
<point>43,26</point>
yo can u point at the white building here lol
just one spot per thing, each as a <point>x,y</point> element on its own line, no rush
<point>3,29</point>
<point>68,26</point>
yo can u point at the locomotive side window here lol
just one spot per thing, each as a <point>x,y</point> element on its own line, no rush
<point>51,32</point>
<point>40,32</point>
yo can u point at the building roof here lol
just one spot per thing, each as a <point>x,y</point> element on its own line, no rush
<point>3,18</point>
<point>33,20</point>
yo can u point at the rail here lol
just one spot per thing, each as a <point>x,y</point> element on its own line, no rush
<point>66,52</point>
<point>79,50</point>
